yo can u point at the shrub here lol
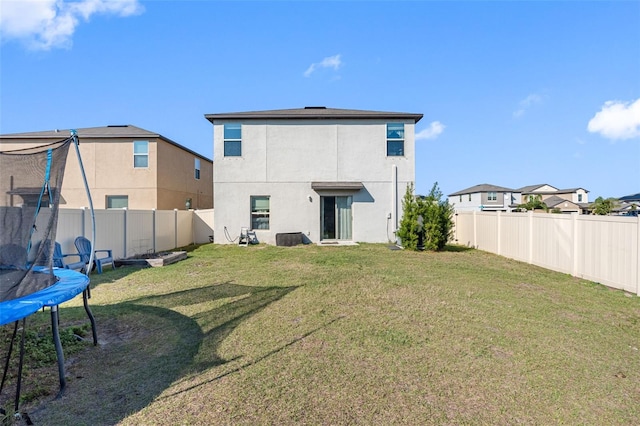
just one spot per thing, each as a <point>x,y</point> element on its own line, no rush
<point>426,221</point>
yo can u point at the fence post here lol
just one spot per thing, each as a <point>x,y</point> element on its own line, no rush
<point>499,225</point>
<point>530,257</point>
<point>125,230</point>
<point>153,230</point>
<point>638,253</point>
<point>175,228</point>
<point>475,235</point>
<point>576,246</point>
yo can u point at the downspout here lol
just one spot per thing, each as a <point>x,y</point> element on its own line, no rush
<point>394,200</point>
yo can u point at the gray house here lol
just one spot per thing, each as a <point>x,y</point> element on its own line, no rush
<point>335,176</point>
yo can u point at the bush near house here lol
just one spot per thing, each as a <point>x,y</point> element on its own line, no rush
<point>427,220</point>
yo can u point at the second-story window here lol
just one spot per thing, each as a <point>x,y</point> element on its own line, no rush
<point>579,198</point>
<point>395,139</point>
<point>232,140</point>
<point>196,168</point>
<point>140,154</point>
<point>492,196</point>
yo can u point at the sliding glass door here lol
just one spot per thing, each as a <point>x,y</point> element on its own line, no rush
<point>336,218</point>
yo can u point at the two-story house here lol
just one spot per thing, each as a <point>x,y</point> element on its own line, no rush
<point>572,200</point>
<point>127,166</point>
<point>333,175</point>
<point>485,197</point>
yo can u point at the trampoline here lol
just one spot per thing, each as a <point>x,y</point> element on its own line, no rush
<point>30,183</point>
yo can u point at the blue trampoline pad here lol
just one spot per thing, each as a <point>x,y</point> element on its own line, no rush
<point>70,284</point>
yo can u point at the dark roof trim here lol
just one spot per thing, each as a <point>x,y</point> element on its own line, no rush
<point>314,113</point>
<point>350,186</point>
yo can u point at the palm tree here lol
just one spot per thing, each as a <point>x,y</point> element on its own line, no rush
<point>534,202</point>
<point>604,206</point>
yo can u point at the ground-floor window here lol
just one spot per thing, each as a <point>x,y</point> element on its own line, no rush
<point>117,201</point>
<point>260,212</point>
<point>336,217</point>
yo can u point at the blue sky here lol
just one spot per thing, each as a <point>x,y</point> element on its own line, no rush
<point>513,93</point>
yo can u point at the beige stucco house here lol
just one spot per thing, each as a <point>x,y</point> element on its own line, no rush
<point>127,166</point>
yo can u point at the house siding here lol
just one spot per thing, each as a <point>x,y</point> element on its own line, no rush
<point>280,158</point>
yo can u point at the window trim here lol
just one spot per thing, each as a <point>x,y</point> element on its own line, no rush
<point>492,196</point>
<point>395,141</point>
<point>257,214</point>
<point>231,141</point>
<point>110,197</point>
<point>140,154</point>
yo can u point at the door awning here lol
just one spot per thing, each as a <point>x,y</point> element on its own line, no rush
<point>334,186</point>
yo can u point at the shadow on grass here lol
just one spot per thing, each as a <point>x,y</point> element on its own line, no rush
<point>456,248</point>
<point>145,346</point>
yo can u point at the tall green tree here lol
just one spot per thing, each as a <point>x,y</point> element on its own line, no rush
<point>427,222</point>
<point>409,230</point>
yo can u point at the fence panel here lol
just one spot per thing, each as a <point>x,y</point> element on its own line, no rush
<point>184,228</point>
<point>140,230</point>
<point>486,232</point>
<point>165,230</point>
<point>609,251</point>
<point>604,249</point>
<point>552,242</point>
<point>514,236</point>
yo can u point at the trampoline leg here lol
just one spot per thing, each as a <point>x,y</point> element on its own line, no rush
<point>19,384</point>
<point>58,345</point>
<point>6,364</point>
<point>85,296</point>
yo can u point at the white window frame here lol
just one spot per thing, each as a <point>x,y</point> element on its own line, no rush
<point>395,140</point>
<point>231,140</point>
<point>140,154</point>
<point>260,214</point>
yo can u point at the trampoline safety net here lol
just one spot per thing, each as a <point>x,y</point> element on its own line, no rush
<point>30,183</point>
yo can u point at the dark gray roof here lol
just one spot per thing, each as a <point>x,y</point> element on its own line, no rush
<point>629,198</point>
<point>316,113</point>
<point>484,187</point>
<point>113,131</point>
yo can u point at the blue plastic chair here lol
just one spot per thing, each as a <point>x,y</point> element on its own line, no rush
<point>60,262</point>
<point>100,258</point>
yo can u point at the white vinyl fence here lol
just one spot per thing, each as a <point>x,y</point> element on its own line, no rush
<point>603,249</point>
<point>132,232</point>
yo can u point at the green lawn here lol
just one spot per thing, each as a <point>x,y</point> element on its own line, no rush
<point>348,335</point>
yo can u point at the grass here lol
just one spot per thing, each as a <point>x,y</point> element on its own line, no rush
<point>348,335</point>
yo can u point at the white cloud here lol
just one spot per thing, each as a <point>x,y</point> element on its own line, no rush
<point>617,120</point>
<point>527,103</point>
<point>433,131</point>
<point>329,62</point>
<point>47,24</point>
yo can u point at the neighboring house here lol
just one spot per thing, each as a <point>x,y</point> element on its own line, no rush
<point>485,197</point>
<point>127,166</point>
<point>333,175</point>
<point>629,205</point>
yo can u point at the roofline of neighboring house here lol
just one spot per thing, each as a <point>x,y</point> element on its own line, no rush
<point>485,187</point>
<point>111,131</point>
<point>313,113</point>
